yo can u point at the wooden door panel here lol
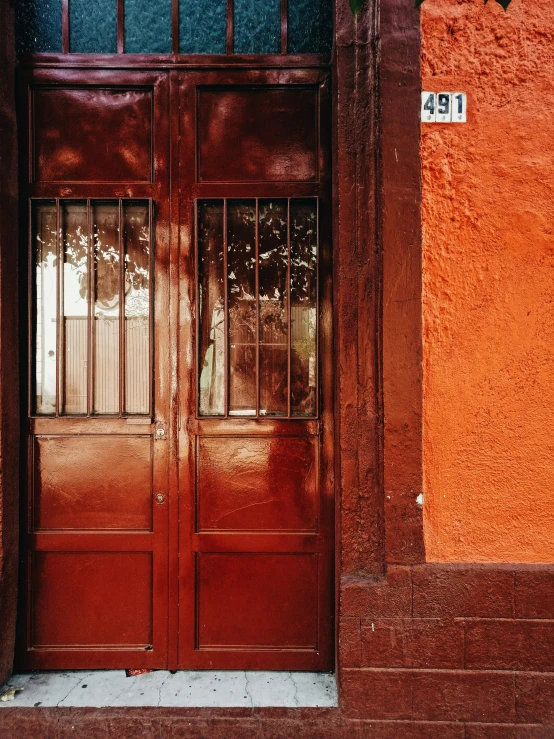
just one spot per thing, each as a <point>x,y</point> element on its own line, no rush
<point>256,582</point>
<point>96,515</point>
<point>267,599</point>
<point>116,496</point>
<point>257,134</point>
<point>92,599</point>
<point>254,483</point>
<point>92,134</point>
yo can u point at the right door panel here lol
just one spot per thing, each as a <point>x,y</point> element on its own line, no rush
<point>256,450</point>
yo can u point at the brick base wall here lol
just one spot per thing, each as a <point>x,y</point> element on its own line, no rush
<point>446,651</point>
<point>473,644</point>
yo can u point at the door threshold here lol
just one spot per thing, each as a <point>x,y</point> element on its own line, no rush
<point>185,688</point>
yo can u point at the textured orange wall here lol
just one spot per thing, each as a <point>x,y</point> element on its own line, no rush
<point>488,254</point>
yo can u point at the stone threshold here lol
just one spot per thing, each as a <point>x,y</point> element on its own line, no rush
<point>190,689</point>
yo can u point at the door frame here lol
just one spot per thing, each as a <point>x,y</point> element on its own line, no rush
<point>172,228</point>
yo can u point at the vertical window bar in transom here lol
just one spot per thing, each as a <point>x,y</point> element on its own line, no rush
<point>284,26</point>
<point>230,42</point>
<point>65,26</point>
<point>120,26</point>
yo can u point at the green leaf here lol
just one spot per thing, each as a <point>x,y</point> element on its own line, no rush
<point>355,5</point>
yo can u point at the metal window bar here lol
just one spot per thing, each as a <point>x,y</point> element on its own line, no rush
<point>122,337</point>
<point>120,26</point>
<point>65,26</point>
<point>230,47</point>
<point>257,293</point>
<point>284,26</point>
<point>90,310</point>
<point>59,313</point>
<point>226,370</point>
<point>289,313</point>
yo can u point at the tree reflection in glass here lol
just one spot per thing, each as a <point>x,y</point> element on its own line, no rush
<point>303,295</point>
<point>272,280</point>
<point>211,301</point>
<point>241,291</point>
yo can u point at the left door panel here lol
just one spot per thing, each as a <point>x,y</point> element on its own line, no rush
<point>95,519</point>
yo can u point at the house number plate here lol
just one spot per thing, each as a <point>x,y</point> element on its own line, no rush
<point>443,107</point>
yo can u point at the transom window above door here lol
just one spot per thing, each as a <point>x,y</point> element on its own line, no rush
<point>174,26</point>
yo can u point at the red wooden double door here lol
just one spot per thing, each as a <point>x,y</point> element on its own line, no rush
<point>179,441</point>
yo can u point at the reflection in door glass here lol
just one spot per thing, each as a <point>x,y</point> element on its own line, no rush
<point>242,309</point>
<point>273,319</point>
<point>303,296</point>
<point>258,307</point>
<point>211,305</point>
<point>136,236</point>
<point>75,307</point>
<point>105,234</point>
<point>103,364</point>
<point>45,305</point>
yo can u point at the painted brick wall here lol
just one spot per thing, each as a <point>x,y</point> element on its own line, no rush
<point>440,643</point>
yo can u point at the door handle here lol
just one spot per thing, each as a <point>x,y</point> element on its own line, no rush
<point>160,498</point>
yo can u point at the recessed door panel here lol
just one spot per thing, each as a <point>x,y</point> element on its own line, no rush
<point>111,496</point>
<point>259,133</point>
<point>92,134</point>
<point>92,599</point>
<point>254,483</point>
<point>268,601</point>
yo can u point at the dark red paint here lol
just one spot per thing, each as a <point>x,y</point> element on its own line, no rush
<point>257,134</point>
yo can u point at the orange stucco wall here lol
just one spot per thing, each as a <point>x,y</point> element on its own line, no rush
<point>488,254</point>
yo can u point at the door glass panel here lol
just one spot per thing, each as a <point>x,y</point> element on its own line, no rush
<point>93,26</point>
<point>242,309</point>
<point>202,26</point>
<point>303,292</point>
<point>257,27</point>
<point>310,26</point>
<point>136,237</point>
<point>99,360</point>
<point>211,309</point>
<point>105,232</point>
<point>147,26</point>
<point>46,276</point>
<point>273,310</point>
<point>38,26</point>
<point>257,307</point>
<point>75,307</point>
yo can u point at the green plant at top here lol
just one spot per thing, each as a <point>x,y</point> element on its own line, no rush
<point>355,5</point>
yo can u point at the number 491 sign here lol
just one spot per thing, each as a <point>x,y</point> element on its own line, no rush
<point>443,107</point>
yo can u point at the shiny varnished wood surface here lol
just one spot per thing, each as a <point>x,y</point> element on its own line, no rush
<point>224,526</point>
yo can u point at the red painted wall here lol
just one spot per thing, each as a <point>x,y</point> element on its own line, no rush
<point>488,265</point>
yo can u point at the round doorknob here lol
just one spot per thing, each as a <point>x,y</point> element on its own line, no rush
<point>160,498</point>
